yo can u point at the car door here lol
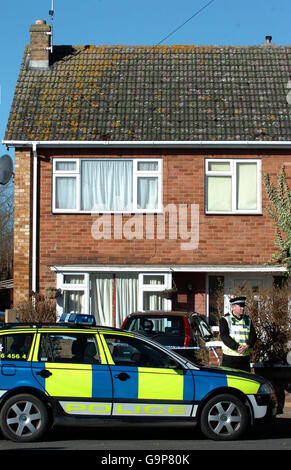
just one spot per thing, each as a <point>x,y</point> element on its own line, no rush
<point>146,380</point>
<point>72,369</point>
<point>200,329</point>
<point>16,348</point>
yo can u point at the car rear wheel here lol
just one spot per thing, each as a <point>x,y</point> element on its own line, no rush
<point>23,418</point>
<point>224,418</point>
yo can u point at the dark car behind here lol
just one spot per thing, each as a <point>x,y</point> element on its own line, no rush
<point>173,329</point>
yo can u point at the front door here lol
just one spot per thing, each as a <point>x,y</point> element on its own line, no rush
<point>72,369</point>
<point>146,380</point>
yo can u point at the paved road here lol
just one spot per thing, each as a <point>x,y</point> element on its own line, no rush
<point>130,439</point>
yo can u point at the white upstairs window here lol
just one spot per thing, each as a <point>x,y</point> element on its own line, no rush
<point>107,185</point>
<point>233,186</point>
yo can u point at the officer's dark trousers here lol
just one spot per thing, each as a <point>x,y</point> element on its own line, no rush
<point>236,362</point>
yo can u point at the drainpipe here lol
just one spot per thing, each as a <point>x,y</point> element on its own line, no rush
<point>34,218</point>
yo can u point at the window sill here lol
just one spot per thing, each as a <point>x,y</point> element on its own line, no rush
<point>233,213</point>
<point>133,212</point>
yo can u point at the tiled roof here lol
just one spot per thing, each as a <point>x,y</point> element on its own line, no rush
<point>144,93</point>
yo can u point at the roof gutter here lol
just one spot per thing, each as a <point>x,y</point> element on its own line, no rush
<point>178,268</point>
<point>150,144</point>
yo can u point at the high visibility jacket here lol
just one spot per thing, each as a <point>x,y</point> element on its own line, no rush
<point>239,330</point>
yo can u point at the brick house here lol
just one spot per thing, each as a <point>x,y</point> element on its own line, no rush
<point>140,167</point>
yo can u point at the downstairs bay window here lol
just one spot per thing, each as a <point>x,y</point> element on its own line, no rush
<point>150,291</point>
<point>74,288</point>
<point>107,185</point>
<point>233,186</point>
<point>110,297</point>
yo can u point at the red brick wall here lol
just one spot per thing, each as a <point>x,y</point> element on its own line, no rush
<point>40,41</point>
<point>22,225</point>
<point>223,239</point>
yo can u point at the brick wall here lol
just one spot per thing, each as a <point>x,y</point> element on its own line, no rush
<point>223,239</point>
<point>22,224</point>
<point>40,41</point>
<point>67,238</point>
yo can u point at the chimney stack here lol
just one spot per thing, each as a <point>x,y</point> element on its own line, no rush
<point>40,45</point>
<point>268,41</point>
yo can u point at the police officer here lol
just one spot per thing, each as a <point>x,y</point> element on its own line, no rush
<point>238,336</point>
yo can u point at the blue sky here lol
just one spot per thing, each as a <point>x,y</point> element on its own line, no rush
<point>233,22</point>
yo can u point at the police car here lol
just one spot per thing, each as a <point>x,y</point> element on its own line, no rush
<point>66,373</point>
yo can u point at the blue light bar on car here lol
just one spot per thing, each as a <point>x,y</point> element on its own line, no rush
<point>78,319</point>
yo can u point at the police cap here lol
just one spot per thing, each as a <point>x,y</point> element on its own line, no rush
<point>238,301</point>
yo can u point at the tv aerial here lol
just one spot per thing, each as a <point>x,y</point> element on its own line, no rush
<point>6,169</point>
<point>51,11</point>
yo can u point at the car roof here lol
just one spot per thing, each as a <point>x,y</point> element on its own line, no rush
<point>58,326</point>
<point>162,313</point>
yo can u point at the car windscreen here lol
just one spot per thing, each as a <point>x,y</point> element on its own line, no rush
<point>152,325</point>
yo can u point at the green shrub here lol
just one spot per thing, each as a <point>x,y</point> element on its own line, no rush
<point>280,212</point>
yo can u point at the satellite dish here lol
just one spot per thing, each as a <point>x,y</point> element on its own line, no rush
<point>6,169</point>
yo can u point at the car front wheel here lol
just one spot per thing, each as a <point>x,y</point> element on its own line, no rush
<point>224,418</point>
<point>23,418</point>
